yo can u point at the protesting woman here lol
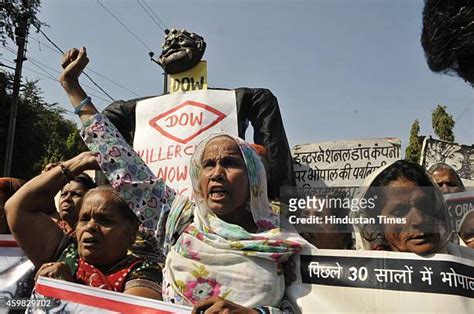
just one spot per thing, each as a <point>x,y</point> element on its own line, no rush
<point>227,245</point>
<point>97,255</point>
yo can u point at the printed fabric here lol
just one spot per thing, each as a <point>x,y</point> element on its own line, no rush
<point>114,279</point>
<point>205,256</point>
<point>147,196</point>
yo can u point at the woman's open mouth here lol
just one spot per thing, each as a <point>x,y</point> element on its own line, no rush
<point>89,241</point>
<point>217,193</point>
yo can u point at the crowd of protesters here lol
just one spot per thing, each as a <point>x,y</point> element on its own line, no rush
<point>91,238</point>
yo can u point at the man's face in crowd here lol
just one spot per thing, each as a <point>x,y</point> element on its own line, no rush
<point>181,51</point>
<point>447,181</point>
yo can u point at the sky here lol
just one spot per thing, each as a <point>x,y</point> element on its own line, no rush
<point>341,69</point>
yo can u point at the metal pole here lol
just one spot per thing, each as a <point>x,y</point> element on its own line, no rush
<point>165,83</point>
<point>21,32</point>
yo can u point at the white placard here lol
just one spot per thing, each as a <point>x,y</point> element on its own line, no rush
<point>342,163</point>
<point>345,281</point>
<point>169,127</point>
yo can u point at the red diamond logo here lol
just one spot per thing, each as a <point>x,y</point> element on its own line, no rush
<point>186,121</point>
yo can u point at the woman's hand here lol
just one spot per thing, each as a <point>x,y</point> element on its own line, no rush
<point>55,270</point>
<point>219,305</point>
<point>50,166</point>
<point>80,163</point>
<point>74,62</point>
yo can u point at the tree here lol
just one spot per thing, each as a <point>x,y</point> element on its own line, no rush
<point>443,124</point>
<point>11,12</point>
<point>42,135</point>
<point>413,150</point>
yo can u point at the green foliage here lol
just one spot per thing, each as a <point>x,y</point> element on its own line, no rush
<point>443,124</point>
<point>42,134</point>
<point>413,150</point>
<point>12,12</point>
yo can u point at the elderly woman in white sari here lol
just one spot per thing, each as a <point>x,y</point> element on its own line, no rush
<point>224,248</point>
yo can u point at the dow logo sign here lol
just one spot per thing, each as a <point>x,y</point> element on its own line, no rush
<point>186,121</point>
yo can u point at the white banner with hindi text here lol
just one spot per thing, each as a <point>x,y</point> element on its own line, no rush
<point>337,281</point>
<point>342,163</point>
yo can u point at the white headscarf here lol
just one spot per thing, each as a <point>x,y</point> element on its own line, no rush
<point>216,258</point>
